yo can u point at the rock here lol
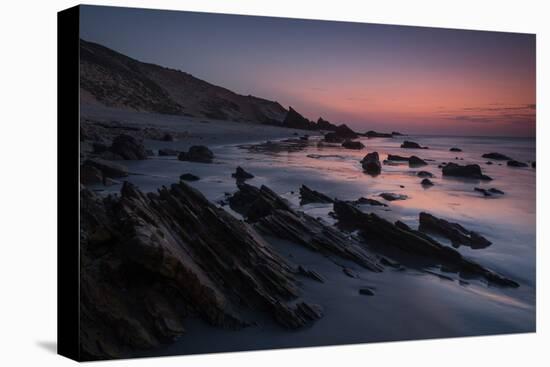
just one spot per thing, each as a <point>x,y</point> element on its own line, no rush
<point>493,190</point>
<point>411,145</point>
<point>345,132</point>
<point>414,161</point>
<point>128,148</point>
<point>425,174</point>
<point>367,201</point>
<point>168,152</point>
<point>366,292</point>
<point>294,120</point>
<point>350,273</point>
<point>467,171</point>
<point>397,158</point>
<point>390,196</point>
<point>310,274</point>
<point>375,134</point>
<point>333,138</point>
<point>453,231</point>
<point>148,261</point>
<point>107,168</point>
<point>350,144</point>
<point>483,191</point>
<point>304,137</point>
<point>426,182</point>
<point>90,175</point>
<point>496,156</point>
<point>454,149</point>
<point>371,164</point>
<point>189,177</point>
<point>324,125</point>
<point>308,196</point>
<point>241,175</point>
<point>396,133</point>
<point>197,153</point>
<point>514,163</point>
<point>273,216</point>
<point>401,237</point>
<point>167,137</point>
<point>489,163</point>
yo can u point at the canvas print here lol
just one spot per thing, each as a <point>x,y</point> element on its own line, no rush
<point>256,183</point>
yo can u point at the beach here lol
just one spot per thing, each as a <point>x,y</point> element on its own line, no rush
<point>411,301</point>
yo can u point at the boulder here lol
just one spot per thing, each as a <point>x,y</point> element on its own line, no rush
<point>390,196</point>
<point>308,196</point>
<point>129,148</point>
<point>241,175</point>
<point>455,149</point>
<point>107,168</point>
<point>467,171</point>
<point>425,174</point>
<point>453,231</point>
<point>371,164</point>
<point>514,163</point>
<point>412,145</point>
<point>350,144</point>
<point>197,153</point>
<point>189,177</point>
<point>496,156</point>
<point>414,161</point>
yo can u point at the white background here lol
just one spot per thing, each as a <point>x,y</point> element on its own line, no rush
<point>28,182</point>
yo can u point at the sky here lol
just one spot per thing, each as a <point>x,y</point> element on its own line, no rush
<point>369,76</point>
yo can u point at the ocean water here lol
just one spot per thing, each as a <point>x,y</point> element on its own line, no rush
<point>408,304</point>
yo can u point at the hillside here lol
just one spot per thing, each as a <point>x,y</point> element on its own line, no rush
<point>115,80</point>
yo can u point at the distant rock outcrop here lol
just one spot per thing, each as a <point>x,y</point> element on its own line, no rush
<point>294,120</point>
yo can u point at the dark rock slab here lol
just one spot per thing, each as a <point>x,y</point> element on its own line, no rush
<point>390,196</point>
<point>514,163</point>
<point>366,291</point>
<point>189,177</point>
<point>467,171</point>
<point>496,156</point>
<point>398,158</point>
<point>107,168</point>
<point>453,231</point>
<point>308,196</point>
<point>241,175</point>
<point>455,149</point>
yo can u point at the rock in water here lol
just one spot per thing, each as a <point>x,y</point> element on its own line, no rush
<point>468,171</point>
<point>308,195</point>
<point>402,237</point>
<point>426,182</point>
<point>197,153</point>
<point>241,175</point>
<point>367,201</point>
<point>272,215</point>
<point>397,158</point>
<point>390,196</point>
<point>414,161</point>
<point>149,260</point>
<point>412,145</point>
<point>496,156</point>
<point>376,134</point>
<point>366,292</point>
<point>371,164</point>
<point>128,148</point>
<point>453,231</point>
<point>350,144</point>
<point>455,149</point>
<point>514,163</point>
<point>493,190</point>
<point>189,177</point>
<point>425,174</point>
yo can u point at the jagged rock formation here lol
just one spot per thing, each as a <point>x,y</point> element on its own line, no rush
<point>149,260</point>
<point>241,175</point>
<point>294,120</point>
<point>273,215</point>
<point>402,237</point>
<point>453,231</point>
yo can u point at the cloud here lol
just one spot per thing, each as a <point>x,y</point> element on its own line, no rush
<point>504,114</point>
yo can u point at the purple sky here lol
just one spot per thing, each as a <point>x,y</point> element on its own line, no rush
<point>412,79</point>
